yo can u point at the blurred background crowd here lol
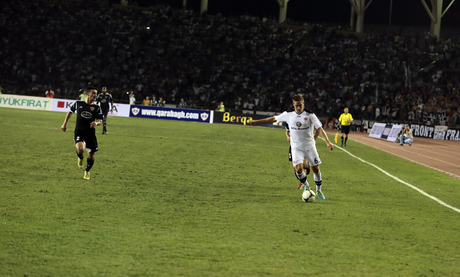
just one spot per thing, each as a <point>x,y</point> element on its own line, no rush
<point>247,62</point>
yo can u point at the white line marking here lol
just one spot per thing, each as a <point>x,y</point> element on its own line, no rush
<point>402,182</point>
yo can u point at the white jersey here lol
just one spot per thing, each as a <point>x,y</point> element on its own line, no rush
<point>301,127</point>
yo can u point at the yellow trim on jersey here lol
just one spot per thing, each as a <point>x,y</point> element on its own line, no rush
<point>345,119</point>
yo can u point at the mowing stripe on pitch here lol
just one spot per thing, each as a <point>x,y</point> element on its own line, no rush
<point>402,182</point>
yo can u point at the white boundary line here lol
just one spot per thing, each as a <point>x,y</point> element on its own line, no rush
<point>401,181</point>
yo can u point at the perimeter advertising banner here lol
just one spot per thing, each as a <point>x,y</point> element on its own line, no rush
<point>419,130</point>
<point>203,116</point>
<point>435,132</point>
<point>377,130</point>
<point>25,102</point>
<point>235,118</point>
<point>440,132</point>
<point>451,134</point>
<point>386,131</point>
<point>63,105</point>
<point>390,131</point>
<point>394,132</point>
<point>240,118</point>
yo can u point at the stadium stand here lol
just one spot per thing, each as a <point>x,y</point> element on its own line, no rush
<point>246,62</point>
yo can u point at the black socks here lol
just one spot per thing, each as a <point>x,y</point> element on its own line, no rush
<point>89,164</point>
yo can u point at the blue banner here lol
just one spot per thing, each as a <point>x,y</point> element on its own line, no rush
<point>203,116</point>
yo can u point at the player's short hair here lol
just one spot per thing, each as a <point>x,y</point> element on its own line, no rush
<point>90,88</point>
<point>298,97</point>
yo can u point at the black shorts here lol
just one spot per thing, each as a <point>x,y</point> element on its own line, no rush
<point>88,138</point>
<point>105,112</point>
<point>345,129</point>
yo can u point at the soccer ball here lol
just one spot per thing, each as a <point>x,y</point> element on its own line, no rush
<point>308,196</point>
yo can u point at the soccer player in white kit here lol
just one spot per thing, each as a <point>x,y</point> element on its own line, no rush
<point>302,124</point>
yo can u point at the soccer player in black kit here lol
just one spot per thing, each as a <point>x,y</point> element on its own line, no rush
<point>89,115</point>
<point>103,99</point>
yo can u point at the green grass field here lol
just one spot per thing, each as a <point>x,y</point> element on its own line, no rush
<point>170,198</point>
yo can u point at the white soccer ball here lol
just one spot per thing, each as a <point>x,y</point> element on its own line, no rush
<point>308,196</point>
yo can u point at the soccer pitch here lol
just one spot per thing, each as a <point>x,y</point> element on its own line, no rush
<point>170,198</point>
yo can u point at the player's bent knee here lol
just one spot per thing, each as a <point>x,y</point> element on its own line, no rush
<point>299,168</point>
<point>80,147</point>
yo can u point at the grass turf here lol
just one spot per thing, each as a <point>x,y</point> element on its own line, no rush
<point>169,198</point>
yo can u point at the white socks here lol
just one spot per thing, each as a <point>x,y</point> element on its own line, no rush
<point>318,180</point>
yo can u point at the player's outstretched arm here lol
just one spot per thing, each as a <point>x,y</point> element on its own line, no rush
<point>64,125</point>
<point>263,121</point>
<point>324,135</point>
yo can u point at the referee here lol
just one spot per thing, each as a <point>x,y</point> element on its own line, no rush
<point>345,120</point>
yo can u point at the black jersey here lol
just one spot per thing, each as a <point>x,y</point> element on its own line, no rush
<point>104,99</point>
<point>86,113</point>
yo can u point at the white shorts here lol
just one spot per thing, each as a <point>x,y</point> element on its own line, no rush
<point>311,154</point>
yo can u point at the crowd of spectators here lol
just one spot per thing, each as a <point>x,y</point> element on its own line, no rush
<point>246,62</point>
